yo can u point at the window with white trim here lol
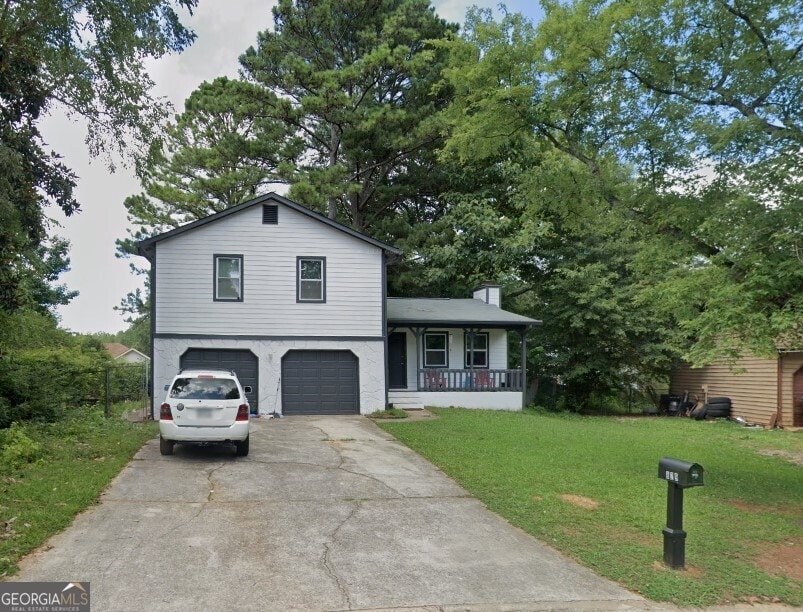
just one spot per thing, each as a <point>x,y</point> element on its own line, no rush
<point>228,278</point>
<point>311,285</point>
<point>436,350</point>
<point>479,358</point>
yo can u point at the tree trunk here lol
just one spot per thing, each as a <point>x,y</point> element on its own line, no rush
<point>334,145</point>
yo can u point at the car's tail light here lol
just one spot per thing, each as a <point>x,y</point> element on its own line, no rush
<point>165,413</point>
<point>242,412</point>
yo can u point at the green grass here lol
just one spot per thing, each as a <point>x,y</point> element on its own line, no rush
<point>519,465</point>
<point>390,413</point>
<point>76,460</point>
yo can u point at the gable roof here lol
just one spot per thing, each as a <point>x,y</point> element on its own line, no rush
<point>448,312</point>
<point>117,350</point>
<point>145,247</point>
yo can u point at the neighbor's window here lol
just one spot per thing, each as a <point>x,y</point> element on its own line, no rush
<point>229,278</point>
<point>311,284</point>
<point>435,350</point>
<point>479,358</point>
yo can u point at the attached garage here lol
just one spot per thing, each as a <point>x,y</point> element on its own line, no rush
<point>320,382</point>
<point>244,363</point>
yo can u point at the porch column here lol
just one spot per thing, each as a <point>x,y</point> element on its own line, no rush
<point>417,331</point>
<point>523,340</point>
<point>471,334</point>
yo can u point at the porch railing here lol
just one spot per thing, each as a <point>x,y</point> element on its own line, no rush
<point>442,379</point>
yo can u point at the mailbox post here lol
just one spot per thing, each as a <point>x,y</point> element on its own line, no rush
<point>679,475</point>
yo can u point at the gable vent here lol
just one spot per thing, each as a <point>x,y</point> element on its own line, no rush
<point>270,214</point>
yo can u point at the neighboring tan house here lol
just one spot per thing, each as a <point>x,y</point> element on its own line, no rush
<point>764,391</point>
<point>120,352</point>
<point>296,304</point>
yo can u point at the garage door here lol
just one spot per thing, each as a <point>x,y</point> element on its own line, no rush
<point>244,363</point>
<point>320,382</point>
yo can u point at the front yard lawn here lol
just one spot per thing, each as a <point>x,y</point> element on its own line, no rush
<point>588,486</point>
<point>49,472</point>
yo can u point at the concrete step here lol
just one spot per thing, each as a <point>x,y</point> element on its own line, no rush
<point>407,405</point>
<point>405,400</point>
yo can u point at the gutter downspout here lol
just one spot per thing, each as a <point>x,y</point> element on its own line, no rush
<point>385,333</point>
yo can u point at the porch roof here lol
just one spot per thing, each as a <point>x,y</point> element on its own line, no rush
<point>448,312</point>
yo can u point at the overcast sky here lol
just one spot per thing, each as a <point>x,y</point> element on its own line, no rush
<point>224,29</point>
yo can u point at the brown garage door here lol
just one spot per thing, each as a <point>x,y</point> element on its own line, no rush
<point>320,382</point>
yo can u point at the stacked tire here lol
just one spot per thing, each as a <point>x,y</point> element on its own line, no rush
<point>718,408</point>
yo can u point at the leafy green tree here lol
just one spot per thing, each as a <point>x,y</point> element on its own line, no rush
<point>708,186</point>
<point>355,81</point>
<point>715,97</point>
<point>555,221</point>
<point>88,57</point>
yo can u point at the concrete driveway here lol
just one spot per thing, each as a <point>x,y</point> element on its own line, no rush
<point>327,513</point>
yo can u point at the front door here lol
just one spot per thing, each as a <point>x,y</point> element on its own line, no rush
<point>397,360</point>
<point>797,398</point>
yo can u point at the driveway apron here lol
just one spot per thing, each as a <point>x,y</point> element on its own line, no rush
<point>327,513</point>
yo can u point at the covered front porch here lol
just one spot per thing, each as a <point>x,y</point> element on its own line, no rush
<point>454,352</point>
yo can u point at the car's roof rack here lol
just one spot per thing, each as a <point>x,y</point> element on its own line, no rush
<point>230,371</point>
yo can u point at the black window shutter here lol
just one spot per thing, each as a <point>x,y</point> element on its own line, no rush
<point>270,214</point>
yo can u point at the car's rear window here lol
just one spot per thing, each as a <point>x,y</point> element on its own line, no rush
<point>205,388</point>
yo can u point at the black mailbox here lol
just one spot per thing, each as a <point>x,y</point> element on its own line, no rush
<point>682,473</point>
<point>679,475</point>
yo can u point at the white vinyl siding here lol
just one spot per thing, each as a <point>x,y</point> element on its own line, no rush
<point>184,284</point>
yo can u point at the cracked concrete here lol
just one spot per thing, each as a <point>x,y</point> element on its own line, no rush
<point>325,514</point>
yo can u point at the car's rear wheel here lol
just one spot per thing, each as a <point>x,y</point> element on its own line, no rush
<point>166,446</point>
<point>242,447</point>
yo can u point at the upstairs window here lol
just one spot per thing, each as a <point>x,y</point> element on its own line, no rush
<point>311,279</point>
<point>479,358</point>
<point>228,278</point>
<point>435,350</point>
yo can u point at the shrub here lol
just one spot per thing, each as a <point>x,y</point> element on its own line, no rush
<point>39,384</point>
<point>18,448</point>
<point>128,382</point>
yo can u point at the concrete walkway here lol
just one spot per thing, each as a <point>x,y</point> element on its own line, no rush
<point>327,513</point>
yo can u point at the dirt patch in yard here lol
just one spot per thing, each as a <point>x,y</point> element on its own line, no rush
<point>580,501</point>
<point>692,571</point>
<point>784,558</point>
<point>795,457</point>
<point>420,415</point>
<point>751,507</point>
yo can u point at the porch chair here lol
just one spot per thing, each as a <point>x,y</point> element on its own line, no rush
<point>483,379</point>
<point>434,379</point>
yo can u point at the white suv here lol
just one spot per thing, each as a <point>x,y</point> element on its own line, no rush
<point>205,406</point>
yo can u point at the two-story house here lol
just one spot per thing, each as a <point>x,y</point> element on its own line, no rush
<point>296,304</point>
